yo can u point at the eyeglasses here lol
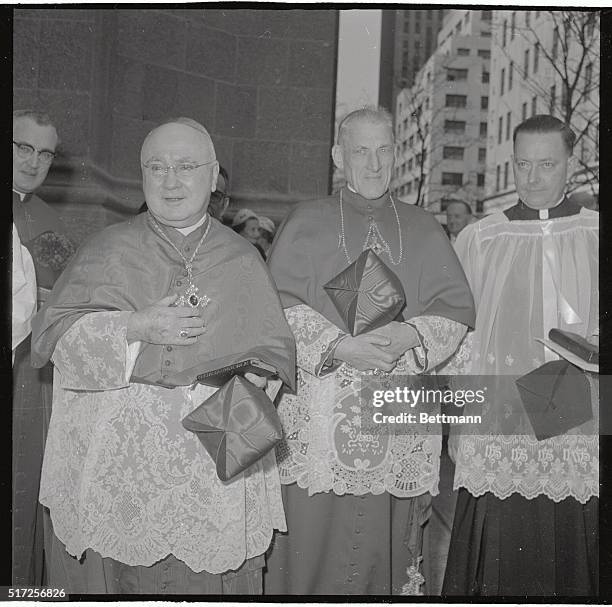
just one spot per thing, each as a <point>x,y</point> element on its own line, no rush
<point>182,170</point>
<point>25,151</point>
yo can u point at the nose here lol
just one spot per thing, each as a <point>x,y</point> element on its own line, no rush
<point>170,180</point>
<point>534,174</point>
<point>373,161</point>
<point>34,160</point>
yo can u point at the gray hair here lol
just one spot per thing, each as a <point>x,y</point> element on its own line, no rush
<point>40,118</point>
<point>368,113</point>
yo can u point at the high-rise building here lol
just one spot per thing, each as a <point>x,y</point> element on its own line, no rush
<point>409,37</point>
<point>441,121</point>
<point>543,62</point>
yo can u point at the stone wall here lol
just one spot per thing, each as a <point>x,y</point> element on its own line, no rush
<point>262,81</point>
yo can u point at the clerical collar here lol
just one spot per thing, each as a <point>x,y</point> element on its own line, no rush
<point>365,206</point>
<point>521,212</point>
<point>20,194</point>
<point>186,231</point>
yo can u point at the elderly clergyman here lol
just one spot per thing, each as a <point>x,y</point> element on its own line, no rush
<point>135,501</point>
<point>354,506</point>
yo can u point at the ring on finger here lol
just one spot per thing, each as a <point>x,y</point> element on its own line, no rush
<point>183,333</point>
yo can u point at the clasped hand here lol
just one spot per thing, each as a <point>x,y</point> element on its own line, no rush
<point>164,324</point>
<point>378,349</point>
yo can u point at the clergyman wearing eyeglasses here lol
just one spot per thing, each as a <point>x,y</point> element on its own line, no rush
<point>42,232</point>
<point>135,500</point>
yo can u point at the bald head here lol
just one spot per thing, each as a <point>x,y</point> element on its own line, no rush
<point>179,129</point>
<point>179,171</point>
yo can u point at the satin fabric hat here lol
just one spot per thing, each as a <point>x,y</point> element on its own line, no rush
<point>367,294</point>
<point>556,397</point>
<point>237,425</point>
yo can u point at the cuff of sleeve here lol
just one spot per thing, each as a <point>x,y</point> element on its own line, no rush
<point>327,364</point>
<point>131,354</point>
<point>420,352</point>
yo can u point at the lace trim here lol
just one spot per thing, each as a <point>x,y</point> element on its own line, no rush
<point>123,477</point>
<point>560,467</point>
<point>324,448</point>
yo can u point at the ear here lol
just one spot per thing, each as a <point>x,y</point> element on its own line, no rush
<point>337,156</point>
<point>215,176</point>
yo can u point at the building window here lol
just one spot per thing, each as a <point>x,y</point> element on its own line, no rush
<point>502,78</point>
<point>410,164</point>
<point>411,141</point>
<point>405,123</point>
<point>480,180</point>
<point>454,126</point>
<point>463,52</point>
<point>485,76</point>
<point>536,56</point>
<point>456,74</point>
<point>555,44</point>
<point>588,77</point>
<point>497,175</point>
<point>486,15</point>
<point>426,103</point>
<point>524,112</point>
<point>504,32</point>
<point>526,64</point>
<point>553,99</point>
<point>534,105</point>
<point>527,18</point>
<point>483,129</point>
<point>508,125</point>
<point>500,129</point>
<point>452,178</point>
<point>482,154</point>
<point>458,27</point>
<point>450,152</point>
<point>456,101</point>
<point>466,19</point>
<point>510,75</point>
<point>408,187</point>
<point>485,33</point>
<point>513,27</point>
<point>537,14</point>
<point>506,171</point>
<point>484,53</point>
<point>406,26</point>
<point>484,103</point>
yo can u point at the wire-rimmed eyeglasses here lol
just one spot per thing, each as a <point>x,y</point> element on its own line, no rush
<point>181,169</point>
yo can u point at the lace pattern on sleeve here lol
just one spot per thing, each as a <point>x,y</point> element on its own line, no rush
<point>91,355</point>
<point>439,339</point>
<point>317,337</point>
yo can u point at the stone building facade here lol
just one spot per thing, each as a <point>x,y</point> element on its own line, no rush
<point>262,81</point>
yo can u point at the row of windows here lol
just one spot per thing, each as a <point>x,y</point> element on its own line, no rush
<point>456,179</point>
<point>455,152</point>
<point>457,127</point>
<point>498,176</point>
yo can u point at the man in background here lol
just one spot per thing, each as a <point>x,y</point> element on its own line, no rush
<point>219,199</point>
<point>458,215</point>
<point>43,234</point>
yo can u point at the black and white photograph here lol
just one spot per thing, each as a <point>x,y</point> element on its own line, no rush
<point>305,303</point>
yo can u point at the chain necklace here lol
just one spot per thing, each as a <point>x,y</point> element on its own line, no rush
<point>374,237</point>
<point>191,296</point>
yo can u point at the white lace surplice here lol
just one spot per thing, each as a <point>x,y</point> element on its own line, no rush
<point>527,277</point>
<point>122,476</point>
<point>324,449</point>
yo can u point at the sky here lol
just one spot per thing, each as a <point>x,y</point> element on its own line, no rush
<point>358,59</point>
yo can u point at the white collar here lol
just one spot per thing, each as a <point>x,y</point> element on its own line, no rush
<point>186,231</point>
<point>21,194</point>
<point>543,213</point>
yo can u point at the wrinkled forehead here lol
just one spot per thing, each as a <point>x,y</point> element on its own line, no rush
<point>540,144</point>
<point>362,130</point>
<point>175,139</point>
